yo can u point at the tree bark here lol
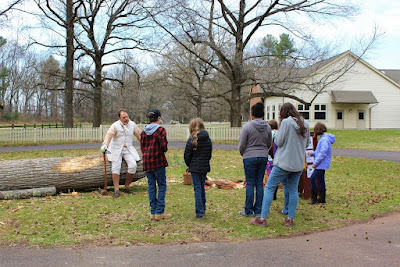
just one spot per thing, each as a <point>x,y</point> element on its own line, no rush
<point>98,94</point>
<point>236,106</point>
<point>69,68</point>
<point>28,193</point>
<point>75,173</point>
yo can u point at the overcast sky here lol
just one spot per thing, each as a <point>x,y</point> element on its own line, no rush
<point>385,14</point>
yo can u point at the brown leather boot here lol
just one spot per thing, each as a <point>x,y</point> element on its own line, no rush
<point>163,216</point>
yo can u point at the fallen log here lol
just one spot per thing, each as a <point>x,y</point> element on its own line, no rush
<point>74,173</point>
<point>28,193</point>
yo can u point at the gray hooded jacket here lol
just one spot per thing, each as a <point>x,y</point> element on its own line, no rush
<point>255,139</point>
<point>291,152</point>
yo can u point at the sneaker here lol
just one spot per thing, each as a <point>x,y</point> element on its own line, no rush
<point>116,194</point>
<point>259,221</point>
<point>288,222</point>
<point>152,217</point>
<point>284,213</point>
<point>127,190</point>
<point>199,217</point>
<point>242,213</point>
<point>163,216</point>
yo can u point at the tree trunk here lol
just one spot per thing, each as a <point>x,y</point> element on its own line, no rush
<point>63,173</point>
<point>28,193</point>
<point>98,95</point>
<point>69,68</point>
<point>236,106</point>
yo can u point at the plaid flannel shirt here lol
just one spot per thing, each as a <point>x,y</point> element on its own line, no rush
<point>153,149</point>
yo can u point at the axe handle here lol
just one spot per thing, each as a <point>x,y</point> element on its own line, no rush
<point>105,175</point>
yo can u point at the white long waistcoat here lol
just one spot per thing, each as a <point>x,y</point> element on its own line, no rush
<point>123,137</point>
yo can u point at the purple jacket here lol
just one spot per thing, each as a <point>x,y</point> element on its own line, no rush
<point>323,152</point>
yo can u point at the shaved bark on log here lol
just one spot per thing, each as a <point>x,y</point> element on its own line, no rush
<point>28,193</point>
<point>74,173</point>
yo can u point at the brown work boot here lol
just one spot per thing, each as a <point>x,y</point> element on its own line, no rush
<point>259,221</point>
<point>127,190</point>
<point>163,216</point>
<point>288,222</point>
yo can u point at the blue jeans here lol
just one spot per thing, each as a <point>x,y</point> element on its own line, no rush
<point>157,205</point>
<point>254,169</point>
<point>320,176</point>
<point>199,180</point>
<point>291,184</point>
<point>285,209</point>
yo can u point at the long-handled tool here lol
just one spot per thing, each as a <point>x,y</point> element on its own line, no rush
<point>105,171</point>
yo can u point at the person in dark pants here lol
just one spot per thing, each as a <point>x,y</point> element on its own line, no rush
<point>197,155</point>
<point>154,144</point>
<point>322,161</point>
<point>254,143</point>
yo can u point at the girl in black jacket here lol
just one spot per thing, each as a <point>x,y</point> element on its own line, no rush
<point>198,152</point>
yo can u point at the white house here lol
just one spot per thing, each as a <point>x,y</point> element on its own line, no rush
<point>361,98</point>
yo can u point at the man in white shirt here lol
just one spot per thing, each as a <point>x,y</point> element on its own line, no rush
<point>118,141</point>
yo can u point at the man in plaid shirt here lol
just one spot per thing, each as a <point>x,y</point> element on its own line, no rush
<point>154,144</point>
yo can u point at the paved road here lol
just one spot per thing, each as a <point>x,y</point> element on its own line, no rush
<point>375,243</point>
<point>379,154</point>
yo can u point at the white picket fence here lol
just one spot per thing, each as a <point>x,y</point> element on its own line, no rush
<point>174,133</point>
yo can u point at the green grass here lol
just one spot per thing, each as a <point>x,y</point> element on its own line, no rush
<point>367,140</point>
<point>43,143</point>
<point>357,189</point>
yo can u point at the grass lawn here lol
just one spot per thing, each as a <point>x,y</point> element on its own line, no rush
<point>360,139</point>
<point>367,140</point>
<point>357,189</point>
<point>43,143</point>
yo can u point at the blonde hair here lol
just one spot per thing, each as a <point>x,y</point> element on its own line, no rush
<point>195,126</point>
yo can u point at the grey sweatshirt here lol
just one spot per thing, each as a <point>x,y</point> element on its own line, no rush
<point>255,139</point>
<point>291,152</point>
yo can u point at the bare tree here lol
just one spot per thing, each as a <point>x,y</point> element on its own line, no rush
<point>228,27</point>
<point>189,78</point>
<point>10,6</point>
<point>49,87</point>
<point>107,27</point>
<point>59,16</point>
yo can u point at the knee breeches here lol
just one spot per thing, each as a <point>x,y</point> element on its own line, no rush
<point>130,161</point>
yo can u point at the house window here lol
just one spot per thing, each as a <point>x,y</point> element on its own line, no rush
<point>304,111</point>
<point>273,112</point>
<point>320,112</point>
<point>340,115</point>
<point>360,115</point>
<point>267,113</point>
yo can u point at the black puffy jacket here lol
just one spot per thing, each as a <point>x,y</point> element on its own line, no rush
<point>198,160</point>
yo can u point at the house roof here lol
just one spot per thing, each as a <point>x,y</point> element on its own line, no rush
<point>353,97</point>
<point>287,78</point>
<point>392,74</point>
<point>284,78</point>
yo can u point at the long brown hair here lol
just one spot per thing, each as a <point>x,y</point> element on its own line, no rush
<point>288,110</point>
<point>319,128</point>
<point>195,126</point>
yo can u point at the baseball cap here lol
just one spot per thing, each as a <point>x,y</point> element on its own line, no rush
<point>154,113</point>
